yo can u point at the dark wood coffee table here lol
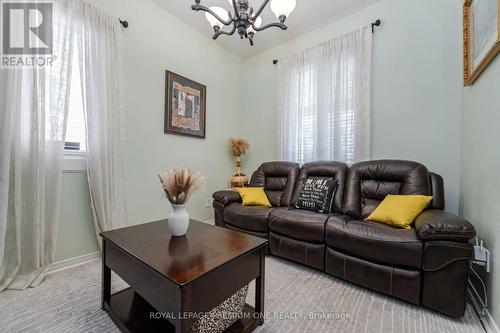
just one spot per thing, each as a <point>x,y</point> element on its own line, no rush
<point>179,278</point>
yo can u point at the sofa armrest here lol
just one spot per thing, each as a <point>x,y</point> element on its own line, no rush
<point>226,197</point>
<point>439,225</point>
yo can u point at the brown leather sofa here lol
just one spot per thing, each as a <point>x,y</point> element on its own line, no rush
<point>427,265</point>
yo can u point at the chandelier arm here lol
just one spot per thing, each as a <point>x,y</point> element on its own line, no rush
<point>236,9</point>
<point>221,32</point>
<point>277,25</point>
<point>208,10</point>
<point>257,14</point>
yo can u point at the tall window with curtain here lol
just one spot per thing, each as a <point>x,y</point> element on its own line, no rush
<point>34,119</point>
<point>34,104</point>
<point>324,101</point>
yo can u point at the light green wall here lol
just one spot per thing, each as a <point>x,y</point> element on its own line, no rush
<point>416,85</point>
<point>157,41</point>
<point>480,164</point>
<point>76,235</point>
<point>416,99</point>
<point>154,42</point>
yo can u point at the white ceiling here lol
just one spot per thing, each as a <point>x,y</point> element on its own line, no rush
<point>307,16</point>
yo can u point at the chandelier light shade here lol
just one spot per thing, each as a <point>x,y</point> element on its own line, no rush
<point>214,22</point>
<point>282,8</point>
<point>242,18</point>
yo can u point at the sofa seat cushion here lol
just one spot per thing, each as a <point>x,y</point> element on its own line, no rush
<point>252,218</point>
<point>299,224</point>
<point>374,241</point>
<point>264,235</point>
<point>306,253</point>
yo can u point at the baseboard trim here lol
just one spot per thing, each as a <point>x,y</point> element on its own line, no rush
<point>487,320</point>
<point>73,262</point>
<point>211,221</point>
<point>86,258</point>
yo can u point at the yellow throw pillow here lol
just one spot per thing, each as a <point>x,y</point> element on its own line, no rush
<point>400,210</point>
<point>254,196</point>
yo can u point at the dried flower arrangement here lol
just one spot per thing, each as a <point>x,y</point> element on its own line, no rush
<point>180,183</point>
<point>238,146</point>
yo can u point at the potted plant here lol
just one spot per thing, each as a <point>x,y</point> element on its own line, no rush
<point>238,147</point>
<point>179,184</point>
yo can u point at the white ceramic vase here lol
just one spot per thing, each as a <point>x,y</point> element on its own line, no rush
<point>178,221</point>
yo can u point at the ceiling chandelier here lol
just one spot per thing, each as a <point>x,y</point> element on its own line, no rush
<point>245,20</point>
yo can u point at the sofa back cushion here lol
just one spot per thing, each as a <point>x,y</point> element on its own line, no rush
<point>437,190</point>
<point>278,180</point>
<point>368,183</point>
<point>324,170</point>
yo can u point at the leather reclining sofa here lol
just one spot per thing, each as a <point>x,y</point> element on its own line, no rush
<point>427,265</point>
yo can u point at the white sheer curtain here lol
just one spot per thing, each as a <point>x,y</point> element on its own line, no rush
<point>33,116</point>
<point>324,101</point>
<point>99,40</point>
<point>34,105</point>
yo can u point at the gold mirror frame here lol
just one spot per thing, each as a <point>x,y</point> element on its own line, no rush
<point>470,74</point>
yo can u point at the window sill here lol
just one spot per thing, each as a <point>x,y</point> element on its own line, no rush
<point>74,162</point>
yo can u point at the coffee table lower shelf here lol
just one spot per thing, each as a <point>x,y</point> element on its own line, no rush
<point>131,313</point>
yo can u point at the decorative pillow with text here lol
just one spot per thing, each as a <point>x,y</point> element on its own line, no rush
<point>317,195</point>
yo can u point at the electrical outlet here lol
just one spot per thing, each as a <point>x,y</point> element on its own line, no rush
<point>209,202</point>
<point>481,255</point>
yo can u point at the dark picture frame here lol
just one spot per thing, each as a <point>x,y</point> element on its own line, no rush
<point>185,106</point>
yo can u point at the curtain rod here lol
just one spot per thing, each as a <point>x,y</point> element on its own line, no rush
<point>377,23</point>
<point>124,23</point>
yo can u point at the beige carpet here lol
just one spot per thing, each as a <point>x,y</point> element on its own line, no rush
<point>69,301</point>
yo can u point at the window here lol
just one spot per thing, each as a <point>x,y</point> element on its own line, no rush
<point>76,129</point>
<point>326,112</point>
<point>324,101</point>
<point>307,121</point>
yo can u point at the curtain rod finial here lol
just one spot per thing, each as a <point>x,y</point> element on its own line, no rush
<point>124,23</point>
<point>275,61</point>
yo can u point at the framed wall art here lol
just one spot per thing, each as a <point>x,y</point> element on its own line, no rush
<point>481,36</point>
<point>185,106</point>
